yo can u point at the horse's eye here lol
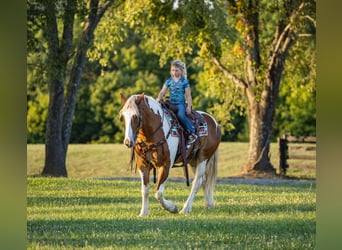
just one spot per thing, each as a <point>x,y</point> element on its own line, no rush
<point>136,118</point>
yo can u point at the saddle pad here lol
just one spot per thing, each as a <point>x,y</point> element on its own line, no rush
<point>172,123</point>
<point>200,123</point>
<point>202,130</point>
<point>197,119</point>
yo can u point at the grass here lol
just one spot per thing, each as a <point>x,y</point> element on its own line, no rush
<point>85,212</point>
<point>102,214</point>
<point>111,160</point>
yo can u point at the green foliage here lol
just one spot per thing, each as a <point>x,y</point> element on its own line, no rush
<point>34,26</point>
<point>130,70</point>
<point>297,98</point>
<point>300,118</point>
<point>222,99</point>
<point>36,117</point>
<point>85,128</point>
<point>132,47</point>
<point>37,90</point>
<point>102,214</point>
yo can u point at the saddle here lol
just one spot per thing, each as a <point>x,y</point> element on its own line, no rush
<point>201,129</point>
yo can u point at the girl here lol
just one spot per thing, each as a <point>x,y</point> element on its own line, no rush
<point>179,85</point>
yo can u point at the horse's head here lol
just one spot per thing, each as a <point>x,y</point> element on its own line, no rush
<point>132,118</point>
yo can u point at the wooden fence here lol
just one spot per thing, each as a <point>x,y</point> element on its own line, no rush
<point>296,148</point>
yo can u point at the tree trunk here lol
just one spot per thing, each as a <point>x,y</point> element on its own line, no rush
<point>261,114</point>
<point>72,90</point>
<point>260,118</point>
<point>54,150</point>
<point>60,112</point>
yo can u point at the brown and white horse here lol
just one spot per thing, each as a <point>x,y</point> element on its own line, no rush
<point>147,131</point>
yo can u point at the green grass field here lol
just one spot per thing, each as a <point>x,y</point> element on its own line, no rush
<point>111,160</point>
<point>86,212</point>
<point>67,213</point>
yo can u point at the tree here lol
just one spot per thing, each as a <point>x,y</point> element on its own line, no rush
<point>239,47</point>
<point>263,71</point>
<point>258,34</point>
<point>61,55</point>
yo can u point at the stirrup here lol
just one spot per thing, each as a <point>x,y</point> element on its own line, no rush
<point>192,138</point>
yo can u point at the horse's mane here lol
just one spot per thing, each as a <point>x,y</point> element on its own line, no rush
<point>132,107</point>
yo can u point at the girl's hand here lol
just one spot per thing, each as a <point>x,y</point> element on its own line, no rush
<point>188,110</point>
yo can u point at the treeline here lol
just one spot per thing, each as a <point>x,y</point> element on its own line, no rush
<point>132,67</point>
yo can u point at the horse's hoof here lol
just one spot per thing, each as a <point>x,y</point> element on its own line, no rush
<point>174,210</point>
<point>209,206</point>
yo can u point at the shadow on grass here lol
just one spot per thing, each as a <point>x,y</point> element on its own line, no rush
<point>79,200</point>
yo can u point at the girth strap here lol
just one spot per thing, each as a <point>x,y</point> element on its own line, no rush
<point>185,164</point>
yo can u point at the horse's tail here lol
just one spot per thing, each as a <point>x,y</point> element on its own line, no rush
<point>210,180</point>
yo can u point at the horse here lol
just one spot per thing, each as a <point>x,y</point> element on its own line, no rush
<point>148,134</point>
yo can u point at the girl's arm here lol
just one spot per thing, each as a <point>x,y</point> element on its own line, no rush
<point>161,93</point>
<point>188,100</point>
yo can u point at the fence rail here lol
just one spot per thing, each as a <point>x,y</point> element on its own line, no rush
<point>288,150</point>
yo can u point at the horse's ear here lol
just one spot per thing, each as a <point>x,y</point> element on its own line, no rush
<point>140,98</point>
<point>123,98</point>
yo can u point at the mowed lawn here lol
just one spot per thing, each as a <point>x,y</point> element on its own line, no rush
<point>111,160</point>
<point>93,210</point>
<point>67,213</point>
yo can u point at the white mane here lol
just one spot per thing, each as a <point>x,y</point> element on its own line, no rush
<point>131,107</point>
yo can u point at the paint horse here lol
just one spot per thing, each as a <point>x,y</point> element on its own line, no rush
<point>147,132</point>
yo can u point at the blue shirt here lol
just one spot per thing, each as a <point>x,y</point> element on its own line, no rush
<point>177,90</point>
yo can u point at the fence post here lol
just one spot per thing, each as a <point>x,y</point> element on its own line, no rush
<point>283,154</point>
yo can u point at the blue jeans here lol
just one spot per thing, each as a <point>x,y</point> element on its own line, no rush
<point>181,109</point>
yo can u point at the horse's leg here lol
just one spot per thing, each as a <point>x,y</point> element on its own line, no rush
<point>159,192</point>
<point>210,181</point>
<point>144,175</point>
<point>196,184</point>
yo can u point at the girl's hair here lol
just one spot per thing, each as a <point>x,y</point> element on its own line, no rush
<point>181,65</point>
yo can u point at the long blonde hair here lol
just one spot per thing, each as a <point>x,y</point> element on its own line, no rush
<point>181,65</point>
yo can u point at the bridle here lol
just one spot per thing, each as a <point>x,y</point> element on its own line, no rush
<point>141,148</point>
<point>138,128</point>
<point>140,120</point>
